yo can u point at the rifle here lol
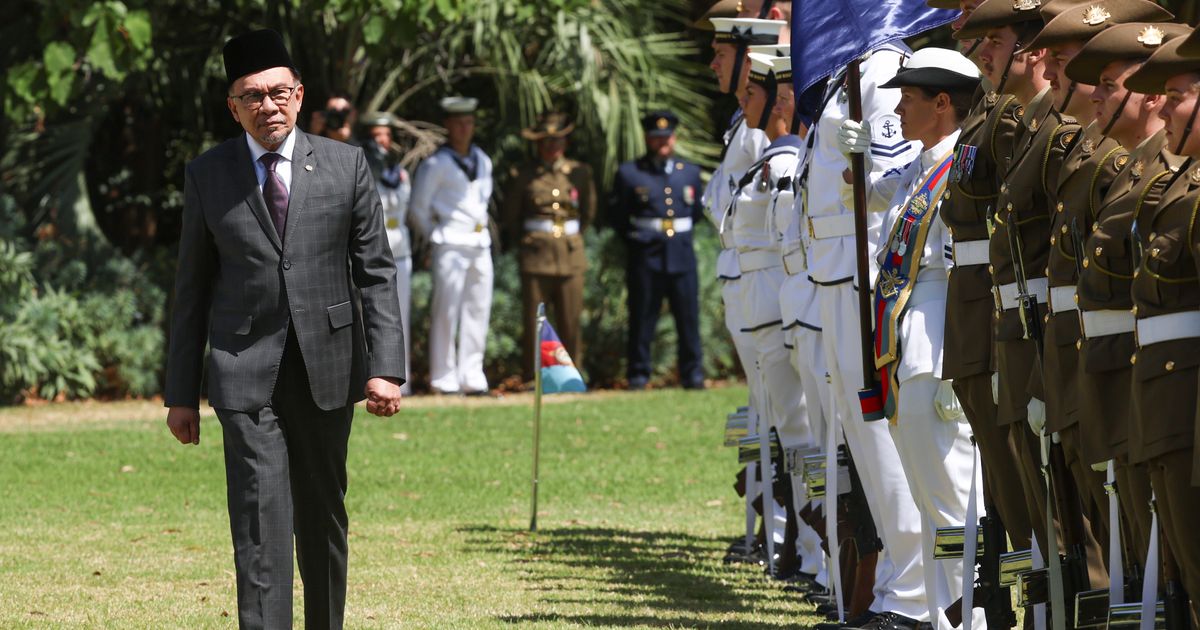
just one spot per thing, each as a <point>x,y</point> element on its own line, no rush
<point>858,511</point>
<point>1059,482</point>
<point>995,599</point>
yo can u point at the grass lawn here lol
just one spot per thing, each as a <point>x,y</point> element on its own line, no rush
<point>106,522</point>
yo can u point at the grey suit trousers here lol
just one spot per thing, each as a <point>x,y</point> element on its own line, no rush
<point>285,468</point>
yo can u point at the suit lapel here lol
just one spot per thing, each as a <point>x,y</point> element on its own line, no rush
<point>254,199</point>
<point>302,164</point>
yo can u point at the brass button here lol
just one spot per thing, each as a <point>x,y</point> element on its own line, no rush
<point>1133,360</point>
<point>1064,229</point>
<point>1135,272</point>
<point>1134,310</point>
<point>1003,188</point>
<point>670,213</point>
<point>1153,236</point>
<point>1059,207</point>
<point>1170,365</point>
<point>1155,251</point>
<point>555,205</point>
<point>991,269</point>
<point>1099,250</point>
<point>1079,344</point>
<point>1046,271</point>
<point>1095,226</point>
<point>1085,262</point>
<point>554,192</point>
<point>670,233</point>
<point>1010,207</point>
<point>1046,318</point>
<point>667,190</point>
<point>670,201</point>
<point>1053,239</point>
<point>1075,297</point>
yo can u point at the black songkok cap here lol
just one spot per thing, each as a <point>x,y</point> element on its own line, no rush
<point>254,52</point>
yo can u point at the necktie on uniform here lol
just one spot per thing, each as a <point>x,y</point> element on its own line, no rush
<point>274,192</point>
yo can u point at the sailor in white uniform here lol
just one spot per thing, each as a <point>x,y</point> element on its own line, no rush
<point>395,188</point>
<point>928,425</point>
<point>450,198</point>
<point>743,146</point>
<point>899,581</point>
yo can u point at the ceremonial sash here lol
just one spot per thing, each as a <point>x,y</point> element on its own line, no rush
<point>898,275</point>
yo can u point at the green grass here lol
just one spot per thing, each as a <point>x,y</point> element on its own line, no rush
<point>113,525</point>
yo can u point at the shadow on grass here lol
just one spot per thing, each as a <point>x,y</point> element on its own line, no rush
<point>649,578</point>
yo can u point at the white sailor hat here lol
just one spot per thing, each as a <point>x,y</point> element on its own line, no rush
<point>747,31</point>
<point>774,50</point>
<point>459,105</point>
<point>938,69</point>
<point>761,67</point>
<point>782,68</point>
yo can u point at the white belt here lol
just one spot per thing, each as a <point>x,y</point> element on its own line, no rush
<point>668,226</point>
<point>1183,325</point>
<point>553,226</point>
<point>968,253</point>
<point>1062,299</point>
<point>1008,292</point>
<point>757,260</point>
<point>1096,324</point>
<point>795,262</point>
<point>831,226</point>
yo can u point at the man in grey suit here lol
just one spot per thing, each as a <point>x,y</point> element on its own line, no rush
<point>285,271</point>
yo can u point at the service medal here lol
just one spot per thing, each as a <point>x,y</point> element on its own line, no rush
<point>689,195</point>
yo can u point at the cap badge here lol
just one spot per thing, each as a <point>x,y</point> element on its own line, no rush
<point>739,6</point>
<point>662,123</point>
<point>1026,5</point>
<point>1089,147</point>
<point>1095,15</point>
<point>1195,175</point>
<point>1151,36</point>
<point>990,99</point>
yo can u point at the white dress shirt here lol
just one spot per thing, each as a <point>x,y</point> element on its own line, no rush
<point>283,169</point>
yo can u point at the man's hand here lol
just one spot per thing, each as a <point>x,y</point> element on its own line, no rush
<point>383,396</point>
<point>184,423</point>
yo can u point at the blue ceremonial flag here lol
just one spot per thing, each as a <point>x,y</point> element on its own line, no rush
<point>828,34</point>
<point>559,374</point>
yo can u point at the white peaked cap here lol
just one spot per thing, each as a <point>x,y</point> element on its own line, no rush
<point>761,64</point>
<point>774,50</point>
<point>459,104</point>
<point>755,32</point>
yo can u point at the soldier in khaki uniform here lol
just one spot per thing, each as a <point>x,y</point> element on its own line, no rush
<point>1107,270</point>
<point>986,138</point>
<point>1004,25</point>
<point>1166,303</point>
<point>550,201</point>
<point>1086,173</point>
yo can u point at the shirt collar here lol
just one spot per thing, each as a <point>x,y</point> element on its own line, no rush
<point>285,149</point>
<point>932,156</point>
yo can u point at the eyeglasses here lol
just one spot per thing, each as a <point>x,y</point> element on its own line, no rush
<point>254,100</point>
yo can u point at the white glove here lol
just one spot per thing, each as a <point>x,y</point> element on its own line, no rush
<point>854,137</point>
<point>995,388</point>
<point>946,404</point>
<point>1101,467</point>
<point>1035,415</point>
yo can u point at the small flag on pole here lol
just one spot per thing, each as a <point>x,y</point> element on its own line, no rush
<point>559,374</point>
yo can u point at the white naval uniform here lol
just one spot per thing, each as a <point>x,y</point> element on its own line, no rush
<point>762,277</point>
<point>451,210</point>
<point>801,315</point>
<point>395,216</point>
<point>937,456</point>
<point>743,148</point>
<point>899,580</point>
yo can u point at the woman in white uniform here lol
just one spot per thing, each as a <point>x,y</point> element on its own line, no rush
<point>927,424</point>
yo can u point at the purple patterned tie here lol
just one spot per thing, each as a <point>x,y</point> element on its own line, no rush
<point>274,192</point>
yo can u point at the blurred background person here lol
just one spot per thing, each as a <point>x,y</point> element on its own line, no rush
<point>652,204</point>
<point>450,199</point>
<point>337,120</point>
<point>394,187</point>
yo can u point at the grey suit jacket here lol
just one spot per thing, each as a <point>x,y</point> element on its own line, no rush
<point>238,287</point>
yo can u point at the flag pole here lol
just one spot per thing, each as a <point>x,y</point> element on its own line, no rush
<point>858,170</point>
<point>537,408</point>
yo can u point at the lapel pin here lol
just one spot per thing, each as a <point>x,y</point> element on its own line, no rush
<point>308,167</point>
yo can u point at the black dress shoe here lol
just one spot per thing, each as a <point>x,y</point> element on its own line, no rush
<point>818,595</point>
<point>860,620</point>
<point>887,621</point>
<point>637,384</point>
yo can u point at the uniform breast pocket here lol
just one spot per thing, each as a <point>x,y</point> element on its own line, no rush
<point>1173,272</point>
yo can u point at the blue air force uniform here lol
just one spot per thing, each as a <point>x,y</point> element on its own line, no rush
<point>653,206</point>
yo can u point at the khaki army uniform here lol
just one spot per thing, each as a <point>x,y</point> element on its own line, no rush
<point>967,355</point>
<point>1105,303</point>
<point>545,212</point>
<point>1085,176</point>
<point>1166,290</point>
<point>1021,198</point>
